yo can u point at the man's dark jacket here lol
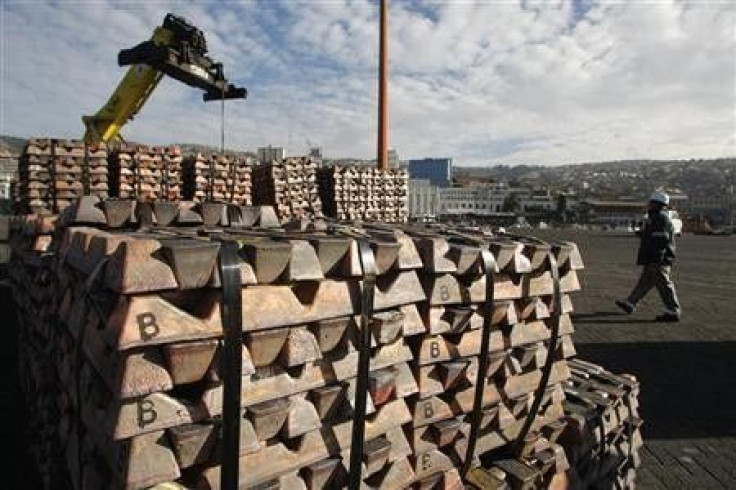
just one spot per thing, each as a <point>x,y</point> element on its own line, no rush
<point>657,239</point>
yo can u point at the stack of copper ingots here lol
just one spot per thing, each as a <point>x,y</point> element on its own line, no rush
<point>53,173</point>
<point>221,178</point>
<point>146,173</point>
<point>602,436</point>
<point>290,186</point>
<point>519,346</point>
<point>30,272</point>
<point>364,193</point>
<point>136,351</point>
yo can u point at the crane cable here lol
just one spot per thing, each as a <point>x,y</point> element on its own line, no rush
<point>222,123</point>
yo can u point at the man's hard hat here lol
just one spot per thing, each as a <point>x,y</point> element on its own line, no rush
<point>660,197</point>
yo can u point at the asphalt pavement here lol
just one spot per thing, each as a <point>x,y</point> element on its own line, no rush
<point>687,369</point>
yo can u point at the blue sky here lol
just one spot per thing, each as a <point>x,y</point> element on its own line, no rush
<point>485,82</point>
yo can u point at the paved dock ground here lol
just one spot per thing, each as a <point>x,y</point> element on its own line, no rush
<point>687,370</point>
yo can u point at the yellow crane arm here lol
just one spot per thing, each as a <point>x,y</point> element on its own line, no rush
<point>127,99</point>
<point>177,49</point>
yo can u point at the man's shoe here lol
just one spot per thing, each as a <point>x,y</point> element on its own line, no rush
<point>626,306</point>
<point>668,317</point>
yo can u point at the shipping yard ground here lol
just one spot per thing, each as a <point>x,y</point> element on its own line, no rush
<point>688,398</point>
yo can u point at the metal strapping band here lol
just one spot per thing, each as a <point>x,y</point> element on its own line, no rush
<point>231,362</point>
<point>52,168</point>
<point>233,173</point>
<point>164,176</point>
<point>522,238</point>
<point>85,171</point>
<point>547,369</point>
<point>488,262</point>
<point>136,173</point>
<point>627,402</point>
<point>368,263</point>
<point>211,178</point>
<point>602,430</point>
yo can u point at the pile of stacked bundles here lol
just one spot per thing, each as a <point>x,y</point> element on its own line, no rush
<point>603,432</point>
<point>365,193</point>
<point>131,337</point>
<point>146,173</point>
<point>30,271</point>
<point>53,173</point>
<point>221,178</point>
<point>290,186</point>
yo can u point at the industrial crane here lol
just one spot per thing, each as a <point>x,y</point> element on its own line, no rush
<point>177,49</point>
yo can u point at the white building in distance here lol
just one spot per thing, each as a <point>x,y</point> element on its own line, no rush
<point>423,199</point>
<point>269,154</point>
<point>487,199</point>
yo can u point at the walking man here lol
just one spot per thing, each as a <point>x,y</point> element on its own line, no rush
<point>656,255</point>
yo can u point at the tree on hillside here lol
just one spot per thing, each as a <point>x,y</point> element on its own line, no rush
<point>511,204</point>
<point>562,207</point>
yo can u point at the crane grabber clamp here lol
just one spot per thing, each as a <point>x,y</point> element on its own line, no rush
<point>179,50</point>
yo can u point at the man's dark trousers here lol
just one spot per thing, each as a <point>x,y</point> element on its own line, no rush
<point>656,275</point>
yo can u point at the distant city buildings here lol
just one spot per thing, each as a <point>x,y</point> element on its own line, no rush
<point>269,154</point>
<point>678,200</point>
<point>393,159</point>
<point>471,200</point>
<point>477,199</point>
<point>602,193</point>
<point>423,199</point>
<point>437,170</point>
<point>8,175</point>
<point>538,202</point>
<point>718,208</point>
<point>612,212</point>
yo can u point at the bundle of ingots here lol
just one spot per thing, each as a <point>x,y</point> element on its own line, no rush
<point>365,193</point>
<point>290,186</point>
<point>369,355</point>
<point>213,177</point>
<point>53,173</point>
